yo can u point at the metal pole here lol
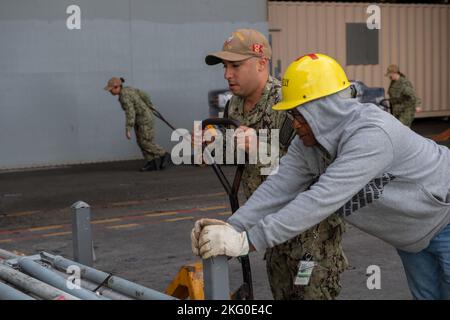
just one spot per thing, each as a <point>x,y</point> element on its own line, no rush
<point>91,286</point>
<point>81,233</point>
<point>118,284</point>
<point>216,278</point>
<point>7,255</point>
<point>46,275</point>
<point>9,293</point>
<point>32,285</point>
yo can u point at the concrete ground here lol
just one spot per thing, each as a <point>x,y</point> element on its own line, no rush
<point>142,221</point>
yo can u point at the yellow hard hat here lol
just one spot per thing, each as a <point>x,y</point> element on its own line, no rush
<point>310,77</point>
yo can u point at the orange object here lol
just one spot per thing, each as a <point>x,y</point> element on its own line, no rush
<point>188,283</point>
<point>441,137</point>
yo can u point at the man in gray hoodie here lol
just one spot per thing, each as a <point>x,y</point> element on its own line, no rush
<point>384,179</point>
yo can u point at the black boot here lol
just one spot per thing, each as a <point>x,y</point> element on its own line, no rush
<point>150,166</point>
<point>164,161</point>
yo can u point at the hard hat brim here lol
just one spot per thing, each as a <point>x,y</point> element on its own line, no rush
<point>280,106</point>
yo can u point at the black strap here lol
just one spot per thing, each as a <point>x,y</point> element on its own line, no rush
<point>103,282</point>
<point>225,110</point>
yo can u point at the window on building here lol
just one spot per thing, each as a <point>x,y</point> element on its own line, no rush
<point>362,44</point>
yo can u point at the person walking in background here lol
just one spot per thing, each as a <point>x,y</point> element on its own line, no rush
<point>136,104</point>
<point>402,97</point>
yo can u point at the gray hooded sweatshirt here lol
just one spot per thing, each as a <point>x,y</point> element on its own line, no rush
<point>385,179</point>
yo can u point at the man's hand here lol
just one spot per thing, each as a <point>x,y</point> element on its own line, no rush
<point>128,134</point>
<point>195,233</point>
<point>223,239</point>
<point>246,137</point>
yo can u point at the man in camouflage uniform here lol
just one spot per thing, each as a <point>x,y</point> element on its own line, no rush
<point>246,57</point>
<point>401,96</point>
<point>136,104</point>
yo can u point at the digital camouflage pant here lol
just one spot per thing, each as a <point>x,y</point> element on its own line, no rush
<point>404,114</point>
<point>322,244</point>
<point>144,137</point>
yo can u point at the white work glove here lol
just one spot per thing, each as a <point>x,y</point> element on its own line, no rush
<point>223,239</point>
<point>195,233</point>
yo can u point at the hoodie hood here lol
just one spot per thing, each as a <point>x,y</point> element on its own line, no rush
<point>330,118</point>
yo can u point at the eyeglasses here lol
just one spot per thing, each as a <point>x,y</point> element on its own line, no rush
<point>294,114</point>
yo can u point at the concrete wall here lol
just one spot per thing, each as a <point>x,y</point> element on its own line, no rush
<point>53,109</point>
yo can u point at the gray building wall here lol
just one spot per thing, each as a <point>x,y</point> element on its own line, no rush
<point>53,110</point>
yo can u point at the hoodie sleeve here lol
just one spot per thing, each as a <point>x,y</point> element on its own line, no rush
<point>361,158</point>
<point>278,190</point>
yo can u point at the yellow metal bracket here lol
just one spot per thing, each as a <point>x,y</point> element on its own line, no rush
<point>188,283</point>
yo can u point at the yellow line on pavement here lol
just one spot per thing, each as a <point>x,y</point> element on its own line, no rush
<point>5,240</point>
<point>45,228</point>
<point>106,221</point>
<point>225,213</point>
<point>125,203</point>
<point>124,226</point>
<point>178,219</point>
<point>212,208</point>
<point>23,213</point>
<point>56,234</point>
<point>161,214</point>
<point>207,195</point>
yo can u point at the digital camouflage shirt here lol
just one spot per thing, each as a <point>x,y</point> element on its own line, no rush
<point>136,105</point>
<point>403,100</point>
<point>262,116</point>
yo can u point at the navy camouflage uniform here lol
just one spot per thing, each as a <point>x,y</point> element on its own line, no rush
<point>403,100</point>
<point>136,105</point>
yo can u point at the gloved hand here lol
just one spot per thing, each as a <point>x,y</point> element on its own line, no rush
<point>223,239</point>
<point>198,226</point>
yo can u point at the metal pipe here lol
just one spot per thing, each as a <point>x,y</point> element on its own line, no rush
<point>118,284</point>
<point>9,293</point>
<point>46,275</point>
<point>216,278</point>
<point>91,286</point>
<point>32,285</point>
<point>7,255</point>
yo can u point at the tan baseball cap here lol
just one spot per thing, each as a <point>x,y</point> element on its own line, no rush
<point>241,45</point>
<point>392,69</point>
<point>113,82</point>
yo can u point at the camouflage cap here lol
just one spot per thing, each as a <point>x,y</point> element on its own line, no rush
<point>241,45</point>
<point>392,69</point>
<point>113,82</point>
